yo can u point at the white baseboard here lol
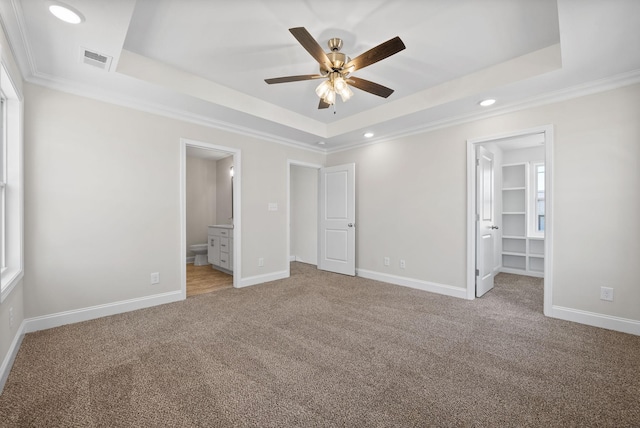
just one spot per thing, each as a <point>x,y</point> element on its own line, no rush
<point>301,260</point>
<point>7,363</point>
<point>191,259</point>
<point>259,279</point>
<point>93,312</point>
<point>594,319</point>
<point>432,287</point>
<point>522,272</point>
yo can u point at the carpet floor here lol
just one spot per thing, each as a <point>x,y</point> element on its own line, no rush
<point>323,350</point>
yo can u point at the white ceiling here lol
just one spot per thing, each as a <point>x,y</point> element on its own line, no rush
<point>206,61</point>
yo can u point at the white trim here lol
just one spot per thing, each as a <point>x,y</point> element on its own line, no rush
<point>26,63</point>
<point>290,163</point>
<point>471,208</point>
<point>122,100</point>
<point>432,287</point>
<point>521,272</point>
<point>237,207</point>
<point>594,319</point>
<point>260,279</point>
<point>10,357</point>
<point>190,259</point>
<point>13,281</point>
<point>301,260</point>
<point>14,211</point>
<point>99,311</point>
<point>577,91</point>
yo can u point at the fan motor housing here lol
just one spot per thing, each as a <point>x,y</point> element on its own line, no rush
<point>338,60</point>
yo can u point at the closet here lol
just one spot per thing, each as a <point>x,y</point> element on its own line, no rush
<point>522,200</point>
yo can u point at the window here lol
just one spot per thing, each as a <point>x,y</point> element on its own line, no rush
<point>536,214</point>
<point>11,185</point>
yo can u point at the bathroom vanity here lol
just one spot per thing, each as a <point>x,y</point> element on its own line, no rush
<point>220,243</point>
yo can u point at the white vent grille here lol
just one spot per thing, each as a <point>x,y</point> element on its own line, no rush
<point>95,59</point>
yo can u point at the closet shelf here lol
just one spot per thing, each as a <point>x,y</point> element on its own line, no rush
<point>521,254</point>
<point>512,253</point>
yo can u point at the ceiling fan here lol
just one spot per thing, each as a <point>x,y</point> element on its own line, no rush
<point>336,68</point>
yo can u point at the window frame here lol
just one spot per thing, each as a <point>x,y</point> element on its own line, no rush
<point>532,209</point>
<point>12,201</point>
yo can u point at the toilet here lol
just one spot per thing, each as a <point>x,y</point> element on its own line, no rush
<point>200,250</point>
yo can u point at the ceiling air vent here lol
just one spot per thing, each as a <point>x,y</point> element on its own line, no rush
<point>96,59</point>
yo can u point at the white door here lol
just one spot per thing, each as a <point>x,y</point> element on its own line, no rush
<point>485,222</point>
<point>336,220</point>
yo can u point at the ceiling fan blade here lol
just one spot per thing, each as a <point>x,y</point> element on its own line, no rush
<point>293,78</point>
<point>371,87</point>
<point>309,43</point>
<point>373,55</point>
<point>322,105</point>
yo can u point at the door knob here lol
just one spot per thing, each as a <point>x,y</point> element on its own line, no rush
<point>350,225</point>
<point>495,227</point>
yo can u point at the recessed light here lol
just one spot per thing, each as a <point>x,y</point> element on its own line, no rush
<point>321,143</point>
<point>368,134</point>
<point>66,13</point>
<point>487,102</point>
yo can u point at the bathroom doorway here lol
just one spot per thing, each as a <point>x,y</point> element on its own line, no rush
<point>210,217</point>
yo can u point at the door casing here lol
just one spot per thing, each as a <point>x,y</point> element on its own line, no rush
<point>471,209</point>
<point>237,204</point>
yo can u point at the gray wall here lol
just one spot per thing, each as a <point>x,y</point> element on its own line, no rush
<point>103,204</point>
<point>411,199</point>
<point>200,196</point>
<point>304,214</point>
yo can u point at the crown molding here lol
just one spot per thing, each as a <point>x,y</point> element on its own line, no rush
<point>92,92</point>
<point>577,91</point>
<point>19,45</point>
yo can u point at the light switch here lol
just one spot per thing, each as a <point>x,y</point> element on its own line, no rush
<point>273,206</point>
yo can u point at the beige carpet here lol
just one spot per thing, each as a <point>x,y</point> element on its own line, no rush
<point>322,350</point>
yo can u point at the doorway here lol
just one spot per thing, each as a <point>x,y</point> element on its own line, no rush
<point>520,246</point>
<point>225,162</point>
<point>302,213</point>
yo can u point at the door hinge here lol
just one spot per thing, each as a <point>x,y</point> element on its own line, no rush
<point>477,272</point>
<point>477,217</point>
<point>477,162</point>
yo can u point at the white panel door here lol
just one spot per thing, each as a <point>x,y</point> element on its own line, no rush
<point>336,220</point>
<point>485,221</point>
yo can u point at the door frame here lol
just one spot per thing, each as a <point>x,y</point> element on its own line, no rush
<point>290,163</point>
<point>471,208</point>
<point>237,204</point>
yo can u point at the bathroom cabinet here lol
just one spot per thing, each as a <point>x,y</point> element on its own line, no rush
<point>220,252</point>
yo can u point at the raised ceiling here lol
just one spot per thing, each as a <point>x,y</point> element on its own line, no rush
<point>206,61</point>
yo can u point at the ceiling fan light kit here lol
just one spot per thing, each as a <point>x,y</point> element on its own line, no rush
<point>336,68</point>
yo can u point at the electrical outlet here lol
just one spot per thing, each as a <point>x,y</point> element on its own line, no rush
<point>155,278</point>
<point>403,264</point>
<point>606,293</point>
<point>260,262</point>
<point>387,262</point>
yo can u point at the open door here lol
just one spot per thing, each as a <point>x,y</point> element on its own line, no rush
<point>485,222</point>
<point>336,220</point>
